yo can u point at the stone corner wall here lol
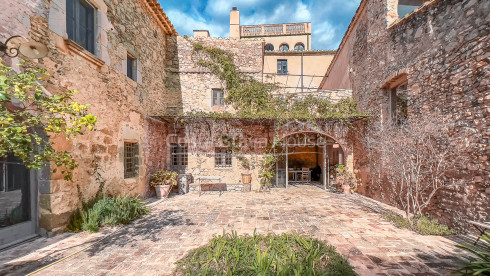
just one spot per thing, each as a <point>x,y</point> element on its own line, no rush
<point>443,49</point>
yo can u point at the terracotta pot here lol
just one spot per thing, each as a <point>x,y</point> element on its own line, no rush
<point>246,178</point>
<point>162,190</point>
<point>346,189</point>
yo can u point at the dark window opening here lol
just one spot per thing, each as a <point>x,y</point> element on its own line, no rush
<point>299,47</point>
<point>131,159</point>
<point>15,199</point>
<point>180,158</point>
<point>80,21</point>
<point>269,47</point>
<point>282,67</point>
<point>131,67</point>
<point>399,104</point>
<point>284,47</point>
<point>407,6</point>
<point>223,158</point>
<point>218,97</point>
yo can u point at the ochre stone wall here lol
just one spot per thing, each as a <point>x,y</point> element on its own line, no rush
<point>443,48</point>
<point>120,103</point>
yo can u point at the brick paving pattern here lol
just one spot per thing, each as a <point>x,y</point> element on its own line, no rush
<point>150,246</point>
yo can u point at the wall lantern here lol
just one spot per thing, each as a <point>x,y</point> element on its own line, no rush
<point>335,146</point>
<point>30,49</point>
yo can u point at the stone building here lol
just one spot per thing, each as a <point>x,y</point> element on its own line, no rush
<point>113,53</point>
<point>288,56</point>
<point>436,51</point>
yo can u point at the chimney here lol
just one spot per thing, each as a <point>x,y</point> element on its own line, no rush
<point>234,23</point>
<point>201,33</point>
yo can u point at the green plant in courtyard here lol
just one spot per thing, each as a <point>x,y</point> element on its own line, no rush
<point>258,100</point>
<point>30,116</point>
<point>164,177</point>
<point>345,177</point>
<point>267,170</point>
<point>477,262</point>
<point>421,224</point>
<point>285,254</point>
<point>107,211</point>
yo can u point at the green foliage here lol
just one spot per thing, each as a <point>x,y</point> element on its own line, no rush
<point>420,224</point>
<point>477,262</point>
<point>267,170</point>
<point>286,254</point>
<point>256,100</point>
<point>107,212</point>
<point>164,177</point>
<point>28,113</point>
<point>344,177</point>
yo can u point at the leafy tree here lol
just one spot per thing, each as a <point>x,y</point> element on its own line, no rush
<point>30,116</point>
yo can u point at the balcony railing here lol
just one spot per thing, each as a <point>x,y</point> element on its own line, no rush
<point>276,29</point>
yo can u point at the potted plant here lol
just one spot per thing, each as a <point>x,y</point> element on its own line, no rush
<point>346,179</point>
<point>163,181</point>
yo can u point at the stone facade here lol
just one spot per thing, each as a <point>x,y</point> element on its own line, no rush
<point>120,103</point>
<point>442,50</point>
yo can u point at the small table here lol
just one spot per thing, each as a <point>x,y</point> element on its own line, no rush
<point>483,227</point>
<point>299,172</point>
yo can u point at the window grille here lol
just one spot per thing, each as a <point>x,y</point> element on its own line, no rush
<point>223,158</point>
<point>180,158</point>
<point>131,159</point>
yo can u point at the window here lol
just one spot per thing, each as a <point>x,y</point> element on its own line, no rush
<point>269,47</point>
<point>80,21</point>
<point>299,47</point>
<point>284,47</point>
<point>407,6</point>
<point>131,67</point>
<point>223,158</point>
<point>218,97</point>
<point>131,159</point>
<point>282,67</point>
<point>399,103</point>
<point>179,156</point>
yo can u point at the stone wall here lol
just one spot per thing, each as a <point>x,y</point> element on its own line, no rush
<point>120,103</point>
<point>191,87</point>
<point>443,49</point>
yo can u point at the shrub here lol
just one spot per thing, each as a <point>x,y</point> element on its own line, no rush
<point>164,177</point>
<point>478,260</point>
<point>286,254</point>
<point>420,224</point>
<point>107,212</point>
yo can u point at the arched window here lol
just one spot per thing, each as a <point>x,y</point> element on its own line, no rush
<point>299,47</point>
<point>269,47</point>
<point>284,47</point>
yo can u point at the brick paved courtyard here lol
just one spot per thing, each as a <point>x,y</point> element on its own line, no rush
<point>150,246</point>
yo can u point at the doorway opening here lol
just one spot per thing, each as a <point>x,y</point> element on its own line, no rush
<point>307,158</point>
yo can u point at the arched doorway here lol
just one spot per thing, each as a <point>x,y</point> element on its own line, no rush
<point>307,158</point>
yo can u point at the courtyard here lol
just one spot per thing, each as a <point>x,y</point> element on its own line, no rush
<point>354,224</point>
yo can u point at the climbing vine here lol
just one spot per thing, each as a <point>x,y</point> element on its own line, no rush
<point>262,105</point>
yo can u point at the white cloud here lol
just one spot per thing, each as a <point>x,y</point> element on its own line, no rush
<point>325,34</point>
<point>302,13</point>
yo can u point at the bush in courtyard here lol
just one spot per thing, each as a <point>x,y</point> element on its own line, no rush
<point>286,254</point>
<point>107,212</point>
<point>164,177</point>
<point>420,224</point>
<point>477,262</point>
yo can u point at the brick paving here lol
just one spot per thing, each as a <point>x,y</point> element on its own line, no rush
<point>151,245</point>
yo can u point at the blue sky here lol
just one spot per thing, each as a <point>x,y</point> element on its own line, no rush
<point>329,18</point>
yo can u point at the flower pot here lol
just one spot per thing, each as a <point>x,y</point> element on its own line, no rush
<point>346,189</point>
<point>246,178</point>
<point>162,190</point>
